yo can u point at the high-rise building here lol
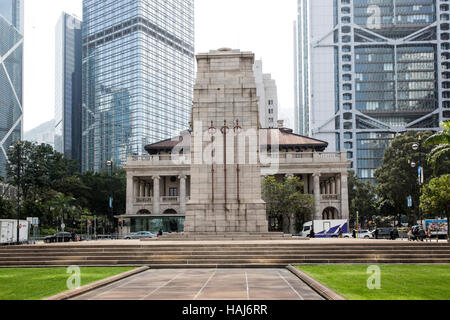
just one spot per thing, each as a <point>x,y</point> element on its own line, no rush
<point>138,76</point>
<point>11,76</point>
<point>267,92</point>
<point>68,87</point>
<point>376,69</point>
<point>301,69</point>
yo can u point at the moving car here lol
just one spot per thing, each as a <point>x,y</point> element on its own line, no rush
<point>140,235</point>
<point>62,237</point>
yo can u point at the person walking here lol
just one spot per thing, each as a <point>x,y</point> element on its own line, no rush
<point>428,234</point>
<point>340,232</point>
<point>376,233</point>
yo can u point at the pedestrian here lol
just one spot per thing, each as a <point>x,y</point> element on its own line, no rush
<point>396,234</point>
<point>428,234</point>
<point>376,233</point>
<point>391,234</point>
<point>312,234</point>
<point>410,235</point>
<point>340,232</point>
<point>354,234</point>
<point>160,233</point>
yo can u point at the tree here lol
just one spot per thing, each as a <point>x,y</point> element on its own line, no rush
<point>441,150</point>
<point>397,179</point>
<point>362,198</point>
<point>41,168</point>
<point>435,197</point>
<point>286,201</point>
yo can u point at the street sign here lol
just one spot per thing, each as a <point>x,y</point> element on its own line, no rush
<point>410,202</point>
<point>35,221</point>
<point>63,226</point>
<point>420,173</point>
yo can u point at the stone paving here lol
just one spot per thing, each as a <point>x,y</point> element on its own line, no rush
<point>207,284</point>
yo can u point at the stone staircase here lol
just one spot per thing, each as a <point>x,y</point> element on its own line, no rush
<point>222,255</point>
<point>228,236</point>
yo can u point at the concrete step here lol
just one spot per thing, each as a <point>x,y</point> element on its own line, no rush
<point>51,255</point>
<point>254,262</point>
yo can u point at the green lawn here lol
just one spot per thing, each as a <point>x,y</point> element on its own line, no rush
<point>36,284</point>
<point>398,282</point>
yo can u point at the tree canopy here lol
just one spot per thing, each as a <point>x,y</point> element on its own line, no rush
<point>286,200</point>
<point>397,178</point>
<point>440,154</point>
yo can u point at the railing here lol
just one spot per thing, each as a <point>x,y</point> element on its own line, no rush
<point>170,199</point>
<point>155,159</point>
<point>144,200</point>
<point>164,199</point>
<point>282,157</point>
<point>328,197</point>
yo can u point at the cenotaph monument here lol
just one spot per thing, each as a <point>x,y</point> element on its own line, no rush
<point>225,165</point>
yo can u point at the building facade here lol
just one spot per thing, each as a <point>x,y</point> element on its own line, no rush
<point>376,69</point>
<point>68,87</point>
<point>208,179</point>
<point>301,69</point>
<point>267,92</point>
<point>138,75</point>
<point>11,76</point>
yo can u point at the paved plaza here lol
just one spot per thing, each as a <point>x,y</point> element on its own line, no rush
<point>207,284</point>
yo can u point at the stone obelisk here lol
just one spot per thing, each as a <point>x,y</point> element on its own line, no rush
<point>225,168</point>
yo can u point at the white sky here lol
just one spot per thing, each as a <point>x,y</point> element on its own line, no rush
<point>264,27</point>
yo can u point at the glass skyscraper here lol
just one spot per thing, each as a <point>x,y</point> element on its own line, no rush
<point>376,68</point>
<point>138,76</point>
<point>11,76</point>
<point>68,87</point>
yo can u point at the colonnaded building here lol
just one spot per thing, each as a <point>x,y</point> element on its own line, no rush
<point>208,179</point>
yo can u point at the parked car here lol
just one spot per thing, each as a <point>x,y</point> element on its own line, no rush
<point>62,237</point>
<point>140,235</point>
<point>384,233</point>
<point>362,234</point>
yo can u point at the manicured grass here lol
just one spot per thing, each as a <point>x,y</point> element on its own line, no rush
<point>36,284</point>
<point>398,282</point>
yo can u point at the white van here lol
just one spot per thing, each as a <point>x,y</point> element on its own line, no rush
<point>8,231</point>
<point>325,228</point>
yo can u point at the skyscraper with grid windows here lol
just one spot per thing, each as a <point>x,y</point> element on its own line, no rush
<point>138,76</point>
<point>375,68</point>
<point>11,76</point>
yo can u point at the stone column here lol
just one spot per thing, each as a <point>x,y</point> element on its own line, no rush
<point>142,189</point>
<point>156,196</point>
<point>306,182</point>
<point>333,186</point>
<point>130,190</point>
<point>328,187</point>
<point>136,188</point>
<point>344,196</point>
<point>182,194</point>
<point>317,196</point>
<point>338,185</point>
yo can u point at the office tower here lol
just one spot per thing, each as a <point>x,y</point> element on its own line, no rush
<point>68,87</point>
<point>138,76</point>
<point>11,76</point>
<point>268,96</point>
<point>377,68</point>
<point>301,70</point>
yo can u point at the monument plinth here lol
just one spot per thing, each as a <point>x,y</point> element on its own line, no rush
<point>225,168</point>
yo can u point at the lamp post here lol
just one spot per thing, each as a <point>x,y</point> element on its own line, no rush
<point>110,164</point>
<point>19,171</point>
<point>415,147</point>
